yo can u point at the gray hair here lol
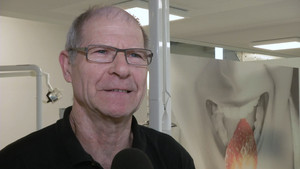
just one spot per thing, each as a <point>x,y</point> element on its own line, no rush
<point>74,36</point>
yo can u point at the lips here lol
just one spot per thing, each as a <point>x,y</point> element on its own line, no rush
<point>119,90</point>
<point>117,87</point>
<point>225,117</point>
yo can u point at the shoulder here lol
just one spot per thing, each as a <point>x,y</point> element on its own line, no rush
<point>161,140</point>
<point>146,135</point>
<point>28,147</point>
<point>163,147</point>
<point>36,138</point>
<point>36,142</point>
<point>156,136</point>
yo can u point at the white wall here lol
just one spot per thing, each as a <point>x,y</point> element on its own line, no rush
<point>28,42</point>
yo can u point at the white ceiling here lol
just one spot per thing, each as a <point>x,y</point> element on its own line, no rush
<point>232,24</point>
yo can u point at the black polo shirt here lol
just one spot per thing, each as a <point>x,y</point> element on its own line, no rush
<point>56,147</point>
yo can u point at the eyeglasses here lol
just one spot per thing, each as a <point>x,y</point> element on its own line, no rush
<point>107,54</point>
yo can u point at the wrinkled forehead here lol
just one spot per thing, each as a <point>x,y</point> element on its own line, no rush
<point>112,17</point>
<point>114,21</point>
<point>107,22</point>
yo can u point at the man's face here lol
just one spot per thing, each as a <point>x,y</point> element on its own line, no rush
<point>112,89</point>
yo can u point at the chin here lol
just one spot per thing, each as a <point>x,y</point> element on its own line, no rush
<point>117,114</point>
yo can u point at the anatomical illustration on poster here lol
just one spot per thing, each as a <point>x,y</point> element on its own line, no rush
<point>236,115</point>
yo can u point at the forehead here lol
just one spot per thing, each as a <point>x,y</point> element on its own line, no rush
<point>104,30</point>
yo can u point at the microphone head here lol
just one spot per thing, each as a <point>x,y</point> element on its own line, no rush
<point>131,158</point>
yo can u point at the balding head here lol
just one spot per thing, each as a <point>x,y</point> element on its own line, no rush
<point>74,37</point>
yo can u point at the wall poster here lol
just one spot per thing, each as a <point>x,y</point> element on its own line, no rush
<point>236,115</point>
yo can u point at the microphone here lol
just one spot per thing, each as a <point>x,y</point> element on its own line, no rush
<point>131,158</point>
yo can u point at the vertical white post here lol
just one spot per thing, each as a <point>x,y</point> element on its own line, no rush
<point>159,96</point>
<point>297,134</point>
<point>39,90</point>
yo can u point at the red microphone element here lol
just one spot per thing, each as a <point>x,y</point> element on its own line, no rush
<point>131,158</point>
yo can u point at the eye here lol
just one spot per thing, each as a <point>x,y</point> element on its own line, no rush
<point>135,55</point>
<point>100,51</point>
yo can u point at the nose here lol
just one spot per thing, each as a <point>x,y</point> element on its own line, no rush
<point>119,66</point>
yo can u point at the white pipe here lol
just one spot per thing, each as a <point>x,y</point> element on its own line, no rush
<point>47,76</point>
<point>38,74</point>
<point>159,95</point>
<point>166,119</point>
<point>156,77</point>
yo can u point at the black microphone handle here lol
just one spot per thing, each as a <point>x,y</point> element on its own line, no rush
<point>131,158</point>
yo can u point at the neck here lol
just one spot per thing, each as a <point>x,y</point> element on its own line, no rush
<point>101,138</point>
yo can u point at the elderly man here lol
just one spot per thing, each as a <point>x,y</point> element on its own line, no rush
<point>106,62</point>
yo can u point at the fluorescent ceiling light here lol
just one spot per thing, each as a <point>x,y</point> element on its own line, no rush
<point>219,53</point>
<point>278,44</point>
<point>142,15</point>
<point>244,56</point>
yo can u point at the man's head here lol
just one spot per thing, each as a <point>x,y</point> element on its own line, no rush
<point>113,89</point>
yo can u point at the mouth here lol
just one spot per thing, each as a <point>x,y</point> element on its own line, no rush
<point>119,91</point>
<point>225,117</point>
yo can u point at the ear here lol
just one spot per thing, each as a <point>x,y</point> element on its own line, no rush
<point>65,65</point>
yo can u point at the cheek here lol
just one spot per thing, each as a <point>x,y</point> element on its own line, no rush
<point>83,78</point>
<point>79,82</point>
<point>142,81</point>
